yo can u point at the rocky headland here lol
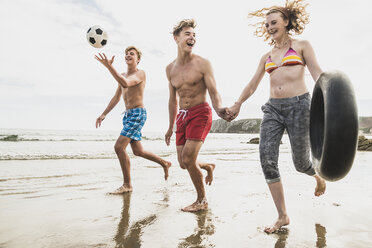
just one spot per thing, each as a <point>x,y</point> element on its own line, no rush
<point>364,144</point>
<point>240,126</point>
<point>253,126</point>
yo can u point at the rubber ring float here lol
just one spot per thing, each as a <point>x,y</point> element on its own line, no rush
<point>333,125</point>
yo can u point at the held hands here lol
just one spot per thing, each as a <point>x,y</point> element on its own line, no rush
<point>99,120</point>
<point>168,135</point>
<point>229,114</point>
<point>233,111</point>
<point>222,113</point>
<point>103,59</point>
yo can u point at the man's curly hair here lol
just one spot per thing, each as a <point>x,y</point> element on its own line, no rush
<point>182,24</point>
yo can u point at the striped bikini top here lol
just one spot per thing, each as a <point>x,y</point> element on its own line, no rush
<point>290,58</point>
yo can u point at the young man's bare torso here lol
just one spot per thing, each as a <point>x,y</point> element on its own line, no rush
<point>131,86</point>
<point>190,77</point>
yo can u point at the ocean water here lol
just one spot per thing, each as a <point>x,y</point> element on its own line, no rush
<point>23,144</point>
<point>58,144</point>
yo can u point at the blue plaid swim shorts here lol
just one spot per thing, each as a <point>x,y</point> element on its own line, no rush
<point>133,121</point>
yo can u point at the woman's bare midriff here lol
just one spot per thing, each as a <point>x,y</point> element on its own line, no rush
<point>287,81</point>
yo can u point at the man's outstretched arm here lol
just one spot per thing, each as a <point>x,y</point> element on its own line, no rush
<point>114,100</point>
<point>126,82</point>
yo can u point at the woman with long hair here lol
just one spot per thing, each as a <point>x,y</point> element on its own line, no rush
<point>288,107</point>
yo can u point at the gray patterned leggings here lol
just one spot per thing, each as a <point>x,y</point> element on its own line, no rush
<point>291,114</point>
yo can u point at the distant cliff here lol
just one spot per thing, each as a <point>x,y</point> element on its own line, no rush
<point>253,126</point>
<point>364,144</point>
<point>365,124</point>
<point>240,126</point>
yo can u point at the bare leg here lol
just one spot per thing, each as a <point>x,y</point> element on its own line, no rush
<point>120,149</point>
<point>209,168</point>
<point>139,151</point>
<point>320,186</point>
<point>179,156</point>
<point>277,192</point>
<point>189,153</point>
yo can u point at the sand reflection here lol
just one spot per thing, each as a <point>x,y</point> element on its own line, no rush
<point>283,233</point>
<point>131,237</point>
<point>320,233</point>
<point>204,229</point>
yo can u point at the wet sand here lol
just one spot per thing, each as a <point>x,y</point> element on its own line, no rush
<point>63,203</point>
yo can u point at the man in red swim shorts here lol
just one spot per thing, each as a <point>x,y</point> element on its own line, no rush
<point>193,123</point>
<point>190,76</point>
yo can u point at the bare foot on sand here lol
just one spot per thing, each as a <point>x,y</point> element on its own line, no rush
<point>166,165</point>
<point>282,221</point>
<point>320,186</point>
<point>196,206</point>
<point>122,190</point>
<point>209,168</point>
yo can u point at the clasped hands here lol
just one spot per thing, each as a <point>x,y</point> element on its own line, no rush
<point>229,114</point>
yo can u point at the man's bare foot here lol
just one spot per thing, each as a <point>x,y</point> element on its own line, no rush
<point>122,190</point>
<point>166,165</point>
<point>282,221</point>
<point>209,168</point>
<point>320,186</point>
<point>196,206</point>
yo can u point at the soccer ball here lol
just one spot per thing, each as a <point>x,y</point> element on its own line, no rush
<point>97,36</point>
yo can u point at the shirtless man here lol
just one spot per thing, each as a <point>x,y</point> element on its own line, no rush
<point>190,76</point>
<point>131,86</point>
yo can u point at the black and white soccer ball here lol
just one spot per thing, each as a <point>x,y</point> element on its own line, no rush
<point>97,36</point>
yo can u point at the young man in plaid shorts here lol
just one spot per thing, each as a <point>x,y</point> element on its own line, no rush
<point>131,86</point>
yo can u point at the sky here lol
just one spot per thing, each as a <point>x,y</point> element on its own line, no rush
<point>49,78</point>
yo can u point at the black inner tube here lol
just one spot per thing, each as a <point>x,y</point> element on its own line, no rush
<point>333,125</point>
<point>317,123</point>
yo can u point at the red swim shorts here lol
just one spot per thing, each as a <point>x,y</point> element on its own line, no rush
<point>193,123</point>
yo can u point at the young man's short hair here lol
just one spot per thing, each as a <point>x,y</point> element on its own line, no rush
<point>182,24</point>
<point>139,53</point>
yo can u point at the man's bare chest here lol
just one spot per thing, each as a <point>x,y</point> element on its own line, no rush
<point>186,78</point>
<point>133,91</point>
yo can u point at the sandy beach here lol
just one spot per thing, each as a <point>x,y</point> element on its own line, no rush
<point>49,201</point>
<point>64,203</point>
<point>66,89</point>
